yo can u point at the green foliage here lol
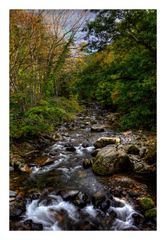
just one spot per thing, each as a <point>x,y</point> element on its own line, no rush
<point>41,72</point>
<point>121,71</point>
<point>103,93</point>
<point>43,117</point>
<point>146,203</point>
<point>151,213</point>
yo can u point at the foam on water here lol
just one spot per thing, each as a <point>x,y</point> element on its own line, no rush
<point>38,212</point>
<point>90,210</point>
<point>39,170</point>
<point>124,214</point>
<point>79,150</point>
<point>45,215</point>
<point>56,146</point>
<point>90,148</point>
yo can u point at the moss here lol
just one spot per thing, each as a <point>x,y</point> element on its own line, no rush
<point>110,161</point>
<point>146,203</point>
<point>151,213</point>
<point>101,169</point>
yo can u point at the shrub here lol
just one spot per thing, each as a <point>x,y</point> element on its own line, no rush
<point>44,117</point>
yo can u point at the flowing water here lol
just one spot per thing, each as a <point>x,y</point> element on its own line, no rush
<point>77,210</point>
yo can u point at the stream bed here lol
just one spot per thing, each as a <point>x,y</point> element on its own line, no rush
<point>62,194</point>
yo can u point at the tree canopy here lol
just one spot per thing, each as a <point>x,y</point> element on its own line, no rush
<point>127,79</point>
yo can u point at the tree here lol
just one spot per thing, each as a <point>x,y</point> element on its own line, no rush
<point>129,80</point>
<point>41,43</point>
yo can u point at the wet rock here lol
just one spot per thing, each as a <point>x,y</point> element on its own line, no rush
<point>104,141</point>
<point>131,228</point>
<point>142,152</point>
<point>109,160</point>
<point>115,202</point>
<point>117,192</point>
<point>85,145</point>
<point>44,195</point>
<point>47,201</point>
<point>138,219</point>
<point>16,161</point>
<point>31,155</point>
<point>48,161</point>
<point>81,200</point>
<point>86,224</point>
<point>42,144</point>
<point>105,205</point>
<point>28,225</point>
<point>17,208</point>
<point>133,149</point>
<point>11,169</point>
<point>107,220</point>
<point>12,193</point>
<point>146,203</point>
<point>12,199</point>
<point>34,196</point>
<point>63,219</point>
<point>98,128</point>
<point>57,137</point>
<point>141,168</point>
<point>70,147</point>
<point>25,168</point>
<point>68,194</point>
<point>98,198</point>
<point>87,163</point>
<point>39,160</point>
<point>133,194</point>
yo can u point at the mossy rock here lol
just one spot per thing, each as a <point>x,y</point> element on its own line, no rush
<point>103,169</point>
<point>146,203</point>
<point>151,213</point>
<point>104,141</point>
<point>110,161</point>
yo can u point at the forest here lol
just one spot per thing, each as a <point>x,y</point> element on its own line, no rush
<point>83,91</point>
<point>52,69</point>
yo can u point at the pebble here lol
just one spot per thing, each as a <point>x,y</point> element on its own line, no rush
<point>12,194</point>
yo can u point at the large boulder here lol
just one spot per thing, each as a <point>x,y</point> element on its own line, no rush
<point>147,206</point>
<point>104,141</point>
<point>141,168</point>
<point>110,160</point>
